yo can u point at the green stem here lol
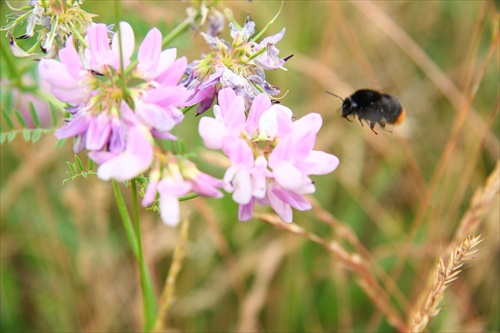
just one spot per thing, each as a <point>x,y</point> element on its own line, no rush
<point>257,37</point>
<point>127,222</point>
<point>146,282</point>
<point>256,54</point>
<point>230,17</point>
<point>175,33</point>
<point>134,238</point>
<point>188,196</point>
<point>77,35</point>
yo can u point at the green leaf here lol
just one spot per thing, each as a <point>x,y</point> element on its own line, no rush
<point>79,163</point>
<point>91,164</point>
<point>37,134</point>
<point>9,101</point>
<point>72,166</point>
<point>20,118</point>
<point>11,136</point>
<point>53,115</point>
<point>70,175</point>
<point>3,137</point>
<point>27,135</point>
<point>60,143</point>
<point>34,115</point>
<point>84,174</point>
<point>7,119</point>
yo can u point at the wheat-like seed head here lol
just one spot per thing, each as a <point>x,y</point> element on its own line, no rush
<point>444,276</point>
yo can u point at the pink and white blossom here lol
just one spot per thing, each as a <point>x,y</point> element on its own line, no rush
<point>272,157</point>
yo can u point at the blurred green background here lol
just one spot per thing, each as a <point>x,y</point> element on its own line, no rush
<point>65,261</point>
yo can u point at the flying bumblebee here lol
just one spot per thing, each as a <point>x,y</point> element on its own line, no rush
<point>373,107</point>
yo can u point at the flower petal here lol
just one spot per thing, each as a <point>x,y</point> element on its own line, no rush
<point>242,183</point>
<point>77,125</point>
<point>295,200</point>
<point>173,74</point>
<point>98,132</point>
<point>283,210</point>
<point>260,104</point>
<point>322,163</point>
<point>133,161</point>
<point>288,176</point>
<point>169,209</point>
<point>149,54</point>
<point>245,212</point>
<point>153,116</point>
<point>212,132</point>
<point>127,44</point>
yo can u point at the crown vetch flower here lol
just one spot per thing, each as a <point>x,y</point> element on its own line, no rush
<point>238,65</point>
<point>101,120</point>
<point>272,157</point>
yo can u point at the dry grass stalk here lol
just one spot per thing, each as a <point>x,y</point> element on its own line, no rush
<point>483,198</point>
<point>444,276</point>
<point>355,262</point>
<point>167,296</point>
<point>345,232</point>
<point>255,299</point>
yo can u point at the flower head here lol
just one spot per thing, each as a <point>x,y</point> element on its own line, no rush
<point>271,156</point>
<point>238,65</point>
<point>101,120</point>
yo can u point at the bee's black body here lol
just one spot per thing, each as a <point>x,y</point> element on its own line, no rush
<point>373,107</point>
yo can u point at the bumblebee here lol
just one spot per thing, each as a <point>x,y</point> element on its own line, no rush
<point>373,107</point>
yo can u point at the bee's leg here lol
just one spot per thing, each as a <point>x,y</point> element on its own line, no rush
<point>372,125</point>
<point>360,120</point>
<point>347,118</point>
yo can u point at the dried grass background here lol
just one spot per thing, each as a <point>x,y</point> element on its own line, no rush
<point>385,225</point>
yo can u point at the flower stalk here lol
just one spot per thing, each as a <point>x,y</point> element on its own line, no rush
<point>134,238</point>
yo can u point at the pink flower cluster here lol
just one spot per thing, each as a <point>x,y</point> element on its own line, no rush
<point>271,156</point>
<point>119,137</point>
<point>118,106</point>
